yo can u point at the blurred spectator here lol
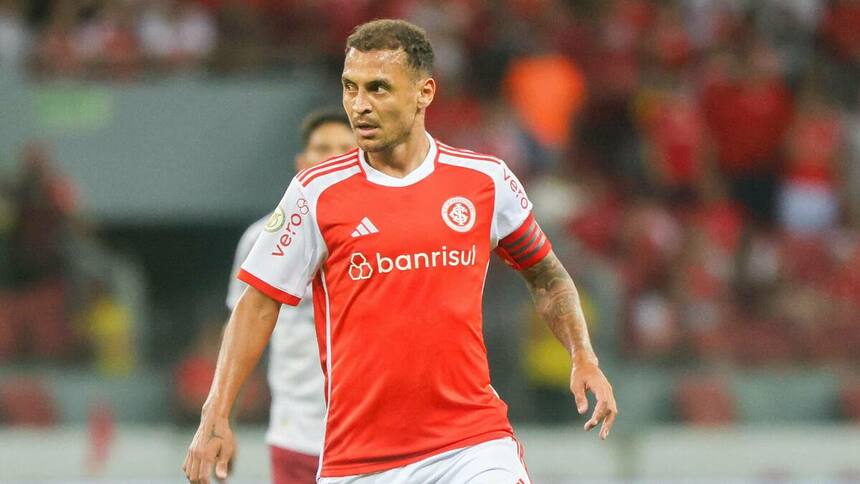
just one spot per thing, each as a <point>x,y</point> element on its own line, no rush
<point>669,43</point>
<point>675,138</point>
<point>655,325</point>
<point>14,35</point>
<point>179,34</point>
<point>56,51</point>
<point>106,43</point>
<point>242,42</point>
<point>446,23</point>
<point>193,375</point>
<point>45,202</point>
<point>546,91</point>
<point>748,108</point>
<point>809,197</point>
<point>840,33</point>
<point>36,314</point>
<point>107,325</point>
<point>839,29</point>
<point>712,23</point>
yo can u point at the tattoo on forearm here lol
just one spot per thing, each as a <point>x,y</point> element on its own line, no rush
<point>561,306</point>
<point>214,435</point>
<point>557,301</point>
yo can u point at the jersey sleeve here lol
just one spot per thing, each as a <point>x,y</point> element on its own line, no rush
<point>521,242</point>
<point>235,287</point>
<point>288,251</point>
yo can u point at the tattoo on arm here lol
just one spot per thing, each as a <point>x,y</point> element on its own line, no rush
<point>557,301</point>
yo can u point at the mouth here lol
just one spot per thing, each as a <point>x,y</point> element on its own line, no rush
<point>366,129</point>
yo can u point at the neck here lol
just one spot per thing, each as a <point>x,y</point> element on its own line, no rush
<point>401,159</point>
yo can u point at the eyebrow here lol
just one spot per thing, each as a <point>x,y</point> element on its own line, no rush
<point>379,82</point>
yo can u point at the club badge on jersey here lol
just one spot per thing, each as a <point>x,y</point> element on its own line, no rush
<point>458,213</point>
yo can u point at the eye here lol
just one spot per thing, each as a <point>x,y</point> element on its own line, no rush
<point>377,87</point>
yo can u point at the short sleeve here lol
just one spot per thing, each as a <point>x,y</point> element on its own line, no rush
<point>235,287</point>
<point>512,204</point>
<point>288,251</point>
<point>521,242</point>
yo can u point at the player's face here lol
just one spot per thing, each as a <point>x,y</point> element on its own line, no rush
<point>383,97</point>
<point>325,141</point>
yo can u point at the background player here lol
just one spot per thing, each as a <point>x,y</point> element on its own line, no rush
<point>297,412</point>
<point>409,398</point>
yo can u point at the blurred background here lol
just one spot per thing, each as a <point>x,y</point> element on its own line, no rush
<point>696,162</point>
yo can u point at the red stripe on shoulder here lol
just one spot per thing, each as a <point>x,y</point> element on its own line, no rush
<point>465,151</point>
<point>348,156</point>
<point>351,156</point>
<point>318,174</point>
<point>469,155</point>
<point>268,289</point>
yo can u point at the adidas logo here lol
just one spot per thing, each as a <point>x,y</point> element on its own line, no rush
<point>366,227</point>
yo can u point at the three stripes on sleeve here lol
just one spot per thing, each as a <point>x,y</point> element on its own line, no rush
<point>526,246</point>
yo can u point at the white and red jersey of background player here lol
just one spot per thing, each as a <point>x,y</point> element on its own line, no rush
<point>398,268</point>
<point>297,411</point>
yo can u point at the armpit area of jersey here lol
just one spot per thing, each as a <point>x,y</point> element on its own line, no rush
<point>526,246</point>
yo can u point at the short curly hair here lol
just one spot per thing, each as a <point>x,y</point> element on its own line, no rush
<point>395,34</point>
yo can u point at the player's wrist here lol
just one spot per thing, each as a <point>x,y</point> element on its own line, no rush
<point>215,410</point>
<point>582,359</point>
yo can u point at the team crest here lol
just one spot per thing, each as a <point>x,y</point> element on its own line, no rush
<point>459,214</point>
<point>276,220</point>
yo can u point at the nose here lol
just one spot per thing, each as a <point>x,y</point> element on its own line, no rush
<point>360,104</point>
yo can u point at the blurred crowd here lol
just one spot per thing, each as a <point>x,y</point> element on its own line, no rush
<point>56,304</point>
<point>716,166</point>
<point>707,151</point>
<point>35,210</point>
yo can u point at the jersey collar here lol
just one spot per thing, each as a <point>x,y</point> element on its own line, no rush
<point>421,172</point>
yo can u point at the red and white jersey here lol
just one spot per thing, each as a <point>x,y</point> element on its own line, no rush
<point>398,268</point>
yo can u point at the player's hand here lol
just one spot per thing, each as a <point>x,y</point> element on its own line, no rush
<point>231,464</point>
<point>213,446</point>
<point>588,376</point>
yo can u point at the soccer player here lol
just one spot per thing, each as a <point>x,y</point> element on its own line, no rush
<point>396,237</point>
<point>297,412</point>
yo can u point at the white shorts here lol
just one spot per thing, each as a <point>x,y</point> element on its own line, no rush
<point>495,462</point>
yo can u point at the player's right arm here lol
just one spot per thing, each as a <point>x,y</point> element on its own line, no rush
<point>278,269</point>
<point>245,337</point>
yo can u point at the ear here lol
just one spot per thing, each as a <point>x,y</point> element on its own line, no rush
<point>426,92</point>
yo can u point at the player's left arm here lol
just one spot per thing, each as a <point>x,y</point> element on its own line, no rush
<point>557,301</point>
